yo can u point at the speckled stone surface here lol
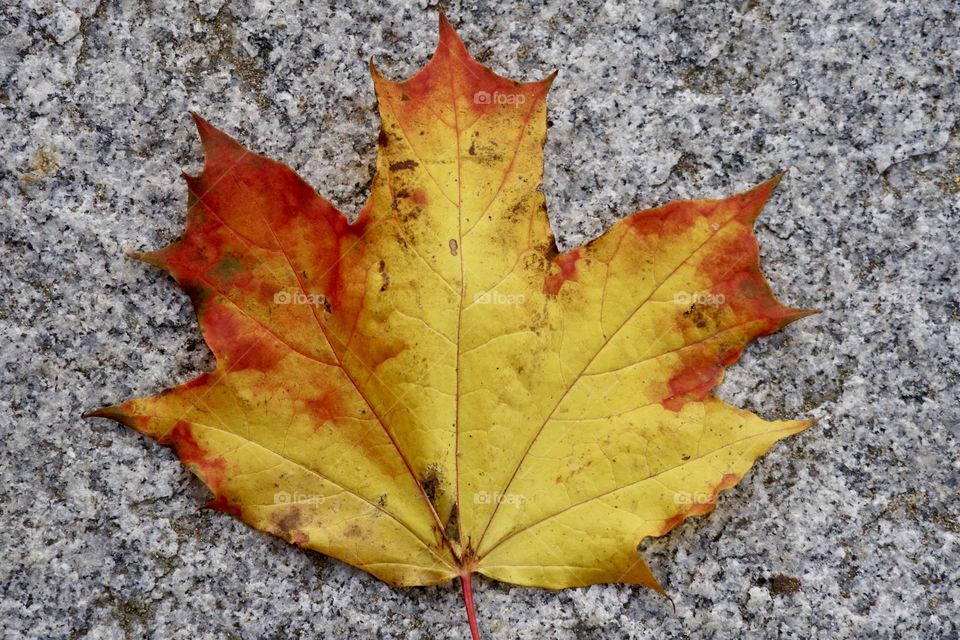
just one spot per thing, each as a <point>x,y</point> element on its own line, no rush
<point>847,530</point>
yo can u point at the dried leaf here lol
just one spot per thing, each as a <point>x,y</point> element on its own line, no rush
<point>434,390</point>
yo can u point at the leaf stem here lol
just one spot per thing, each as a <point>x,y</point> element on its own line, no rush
<point>466,581</point>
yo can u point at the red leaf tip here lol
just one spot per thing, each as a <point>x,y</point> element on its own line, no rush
<point>449,38</point>
<point>214,141</point>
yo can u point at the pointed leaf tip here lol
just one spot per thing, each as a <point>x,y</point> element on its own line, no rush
<point>153,258</point>
<point>110,412</point>
<point>449,38</point>
<point>215,142</point>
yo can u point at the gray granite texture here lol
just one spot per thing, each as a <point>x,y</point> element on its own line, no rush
<point>848,530</point>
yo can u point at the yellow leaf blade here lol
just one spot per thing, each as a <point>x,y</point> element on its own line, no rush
<point>434,389</point>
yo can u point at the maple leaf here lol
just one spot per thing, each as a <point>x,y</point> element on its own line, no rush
<point>435,390</point>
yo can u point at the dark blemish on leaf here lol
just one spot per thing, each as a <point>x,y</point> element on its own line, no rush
<point>289,520</point>
<point>552,251</point>
<point>703,315</point>
<point>431,482</point>
<point>382,501</point>
<point>452,530</point>
<point>326,305</point>
<point>353,531</point>
<point>453,247</point>
<point>227,268</point>
<point>382,139</point>
<point>517,212</point>
<point>404,97</point>
<point>384,276</point>
<point>404,164</point>
<point>473,148</point>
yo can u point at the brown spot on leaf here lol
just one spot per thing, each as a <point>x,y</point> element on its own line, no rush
<point>453,247</point>
<point>452,529</point>
<point>287,520</point>
<point>403,165</point>
<point>384,276</point>
<point>703,315</point>
<point>431,482</point>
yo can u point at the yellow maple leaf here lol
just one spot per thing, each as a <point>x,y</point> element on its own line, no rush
<point>434,390</point>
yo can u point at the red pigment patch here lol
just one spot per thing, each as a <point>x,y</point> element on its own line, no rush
<point>299,207</point>
<point>695,510</point>
<point>341,280</point>
<point>326,407</point>
<point>567,262</point>
<point>420,197</point>
<point>359,227</point>
<point>218,147</point>
<point>189,259</point>
<point>300,538</point>
<point>241,348</point>
<point>674,218</point>
<point>645,223</point>
<point>750,203</point>
<point>680,217</point>
<point>222,504</point>
<point>699,375</point>
<point>750,297</point>
<point>190,453</point>
<point>728,480</point>
<point>735,271</point>
<point>690,385</point>
<point>192,385</point>
<point>432,79</point>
